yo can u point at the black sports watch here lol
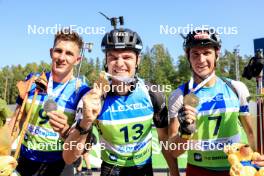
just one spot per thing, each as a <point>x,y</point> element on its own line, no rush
<point>81,130</point>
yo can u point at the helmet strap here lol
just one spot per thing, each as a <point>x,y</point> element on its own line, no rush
<point>137,55</point>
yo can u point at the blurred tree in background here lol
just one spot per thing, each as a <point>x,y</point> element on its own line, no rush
<point>157,66</point>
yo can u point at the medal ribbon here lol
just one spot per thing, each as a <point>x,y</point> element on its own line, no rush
<point>191,82</point>
<point>56,93</point>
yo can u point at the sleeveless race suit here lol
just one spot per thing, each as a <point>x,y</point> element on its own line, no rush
<point>41,143</point>
<point>125,128</point>
<point>125,124</point>
<point>217,121</point>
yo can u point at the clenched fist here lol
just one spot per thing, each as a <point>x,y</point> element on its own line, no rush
<point>187,117</point>
<point>58,121</point>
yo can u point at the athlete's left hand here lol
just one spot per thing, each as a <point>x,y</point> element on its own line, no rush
<point>59,122</point>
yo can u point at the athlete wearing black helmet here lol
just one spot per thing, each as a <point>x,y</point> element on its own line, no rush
<point>125,119</point>
<point>207,110</point>
<point>122,39</point>
<point>202,39</point>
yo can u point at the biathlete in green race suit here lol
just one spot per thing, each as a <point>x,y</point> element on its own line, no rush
<point>125,120</point>
<point>41,150</point>
<point>217,118</point>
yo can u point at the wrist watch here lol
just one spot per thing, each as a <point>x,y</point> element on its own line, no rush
<point>81,130</point>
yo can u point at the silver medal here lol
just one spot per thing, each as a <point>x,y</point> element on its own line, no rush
<point>50,105</point>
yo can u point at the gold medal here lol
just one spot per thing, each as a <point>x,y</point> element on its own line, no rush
<point>191,100</point>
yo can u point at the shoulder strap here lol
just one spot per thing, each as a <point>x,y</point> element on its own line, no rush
<point>230,85</point>
<point>186,88</point>
<point>150,93</point>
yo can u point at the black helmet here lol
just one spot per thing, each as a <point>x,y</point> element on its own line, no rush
<point>202,38</point>
<point>122,39</point>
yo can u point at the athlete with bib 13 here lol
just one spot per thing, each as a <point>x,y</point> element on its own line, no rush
<point>125,120</point>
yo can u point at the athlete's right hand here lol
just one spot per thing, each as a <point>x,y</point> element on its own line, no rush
<point>259,161</point>
<point>92,104</point>
<point>187,117</point>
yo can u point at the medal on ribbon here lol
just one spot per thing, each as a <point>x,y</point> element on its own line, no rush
<point>191,99</point>
<point>50,105</point>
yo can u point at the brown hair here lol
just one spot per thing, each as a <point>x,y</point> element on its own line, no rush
<point>66,34</point>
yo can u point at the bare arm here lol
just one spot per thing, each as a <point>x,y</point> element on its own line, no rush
<point>161,121</point>
<point>175,104</point>
<point>75,142</point>
<point>86,159</point>
<point>79,168</point>
<point>244,116</point>
<point>246,122</point>
<point>175,138</point>
<point>171,161</point>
